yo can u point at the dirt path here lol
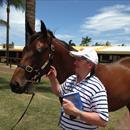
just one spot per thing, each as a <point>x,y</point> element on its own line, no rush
<point>6,69</point>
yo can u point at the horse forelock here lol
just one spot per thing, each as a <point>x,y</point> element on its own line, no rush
<point>35,36</point>
<point>39,35</point>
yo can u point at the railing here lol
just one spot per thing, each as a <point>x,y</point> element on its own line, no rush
<point>11,60</point>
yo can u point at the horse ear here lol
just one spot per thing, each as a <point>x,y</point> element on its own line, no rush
<point>30,31</point>
<point>43,28</point>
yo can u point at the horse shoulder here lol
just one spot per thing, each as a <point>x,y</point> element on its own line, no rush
<point>114,74</point>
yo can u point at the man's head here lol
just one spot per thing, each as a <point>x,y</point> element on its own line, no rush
<point>88,53</point>
<point>85,61</point>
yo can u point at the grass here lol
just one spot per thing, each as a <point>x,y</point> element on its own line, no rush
<point>43,112</point>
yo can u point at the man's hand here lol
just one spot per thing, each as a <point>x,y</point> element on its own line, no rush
<point>52,73</point>
<point>55,86</point>
<point>69,108</point>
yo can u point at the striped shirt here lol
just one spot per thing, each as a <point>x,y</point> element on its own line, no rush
<point>94,99</point>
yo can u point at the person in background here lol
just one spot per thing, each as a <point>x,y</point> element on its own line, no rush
<point>92,93</point>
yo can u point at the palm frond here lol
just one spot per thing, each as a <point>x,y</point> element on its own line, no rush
<point>2,2</point>
<point>18,4</point>
<point>3,22</point>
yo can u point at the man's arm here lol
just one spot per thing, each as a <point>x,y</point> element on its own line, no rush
<point>88,117</point>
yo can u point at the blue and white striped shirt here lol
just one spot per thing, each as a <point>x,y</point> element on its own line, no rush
<point>93,97</point>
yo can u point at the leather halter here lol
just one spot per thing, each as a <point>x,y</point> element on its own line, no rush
<point>36,71</point>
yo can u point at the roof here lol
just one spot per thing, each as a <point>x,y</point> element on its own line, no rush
<point>108,49</point>
<point>15,48</point>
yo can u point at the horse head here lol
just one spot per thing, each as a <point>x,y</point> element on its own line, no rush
<point>37,57</point>
<point>35,61</point>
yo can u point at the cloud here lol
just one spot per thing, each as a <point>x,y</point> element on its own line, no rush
<point>65,37</point>
<point>37,25</point>
<point>110,18</point>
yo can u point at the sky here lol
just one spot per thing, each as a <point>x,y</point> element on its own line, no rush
<point>101,20</point>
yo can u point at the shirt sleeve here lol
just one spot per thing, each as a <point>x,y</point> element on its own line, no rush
<point>100,104</point>
<point>67,86</point>
<point>62,89</point>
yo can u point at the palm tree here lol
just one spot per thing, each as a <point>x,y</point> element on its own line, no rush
<point>29,17</point>
<point>85,41</point>
<point>18,4</point>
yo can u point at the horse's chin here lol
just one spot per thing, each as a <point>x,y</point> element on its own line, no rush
<point>24,89</point>
<point>29,90</point>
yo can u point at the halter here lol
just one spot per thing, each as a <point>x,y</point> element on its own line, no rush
<point>39,72</point>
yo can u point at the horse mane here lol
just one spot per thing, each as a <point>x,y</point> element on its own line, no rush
<point>65,44</point>
<point>51,33</point>
<point>35,36</point>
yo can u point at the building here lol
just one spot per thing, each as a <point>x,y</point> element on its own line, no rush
<point>109,54</point>
<point>106,54</point>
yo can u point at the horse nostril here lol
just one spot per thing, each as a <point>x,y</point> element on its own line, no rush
<point>15,87</point>
<point>14,84</point>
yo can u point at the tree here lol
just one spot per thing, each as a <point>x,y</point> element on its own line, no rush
<point>29,17</point>
<point>97,44</point>
<point>122,44</point>
<point>18,4</point>
<point>108,43</point>
<point>71,43</point>
<point>85,41</point>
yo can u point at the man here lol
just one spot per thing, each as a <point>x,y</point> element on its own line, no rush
<point>91,90</point>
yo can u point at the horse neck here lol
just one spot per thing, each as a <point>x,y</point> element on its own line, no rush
<point>63,63</point>
<point>100,68</point>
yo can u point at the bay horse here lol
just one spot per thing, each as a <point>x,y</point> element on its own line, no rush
<point>44,49</point>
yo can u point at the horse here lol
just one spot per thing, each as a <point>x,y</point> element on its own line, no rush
<point>44,50</point>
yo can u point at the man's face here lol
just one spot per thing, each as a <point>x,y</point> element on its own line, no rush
<point>81,65</point>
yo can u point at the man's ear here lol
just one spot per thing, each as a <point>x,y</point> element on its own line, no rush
<point>90,65</point>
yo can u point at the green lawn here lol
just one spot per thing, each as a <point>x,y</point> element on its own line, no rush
<point>43,112</point>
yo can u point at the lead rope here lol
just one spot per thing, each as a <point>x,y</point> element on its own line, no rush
<point>23,112</point>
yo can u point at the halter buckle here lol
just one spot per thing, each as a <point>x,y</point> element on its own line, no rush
<point>28,68</point>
